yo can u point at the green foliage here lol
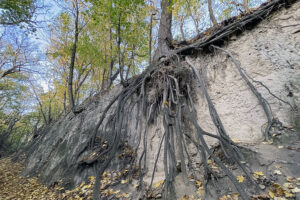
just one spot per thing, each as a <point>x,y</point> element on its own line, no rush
<point>14,12</point>
<point>97,46</point>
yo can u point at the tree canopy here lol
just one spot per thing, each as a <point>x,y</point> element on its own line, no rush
<point>14,12</point>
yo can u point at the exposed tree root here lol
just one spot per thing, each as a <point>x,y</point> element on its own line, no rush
<point>262,101</point>
<point>173,100</point>
<point>164,89</point>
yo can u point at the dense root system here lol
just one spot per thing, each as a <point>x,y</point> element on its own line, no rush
<point>172,99</point>
<point>164,89</point>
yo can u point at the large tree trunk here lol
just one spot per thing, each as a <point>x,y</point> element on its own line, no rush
<point>164,31</point>
<point>211,12</point>
<point>71,98</point>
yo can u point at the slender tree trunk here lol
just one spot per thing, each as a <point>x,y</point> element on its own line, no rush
<point>49,113</point>
<point>121,65</point>
<point>150,39</point>
<point>181,28</point>
<point>131,62</point>
<point>5,136</point>
<point>245,6</point>
<point>80,83</point>
<point>65,99</point>
<point>211,12</point>
<point>103,86</point>
<point>196,24</point>
<point>111,64</point>
<point>70,80</point>
<point>50,108</point>
<point>35,128</point>
<point>164,31</point>
<point>104,82</point>
<point>40,103</point>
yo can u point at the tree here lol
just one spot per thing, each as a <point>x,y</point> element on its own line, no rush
<point>76,34</point>
<point>12,100</point>
<point>69,49</point>
<point>211,12</point>
<point>17,54</point>
<point>245,6</point>
<point>164,32</point>
<point>14,12</point>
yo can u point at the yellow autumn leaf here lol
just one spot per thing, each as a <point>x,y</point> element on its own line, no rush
<point>117,191</point>
<point>124,181</point>
<point>287,194</point>
<point>236,141</point>
<point>209,162</point>
<point>200,191</point>
<point>235,196</point>
<point>125,195</point>
<point>82,184</point>
<point>259,173</point>
<point>223,198</point>
<point>295,190</point>
<point>198,183</point>
<point>288,186</point>
<point>110,192</point>
<point>214,167</point>
<point>166,103</point>
<point>87,186</point>
<point>156,185</point>
<point>92,178</point>
<point>240,179</point>
<point>271,194</point>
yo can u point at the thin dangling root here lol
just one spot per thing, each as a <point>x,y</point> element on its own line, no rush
<point>262,101</point>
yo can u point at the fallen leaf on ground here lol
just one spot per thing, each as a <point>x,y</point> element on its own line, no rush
<point>240,179</point>
<point>156,185</point>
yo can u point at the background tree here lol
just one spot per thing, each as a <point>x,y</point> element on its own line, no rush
<point>211,12</point>
<point>17,54</point>
<point>14,12</point>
